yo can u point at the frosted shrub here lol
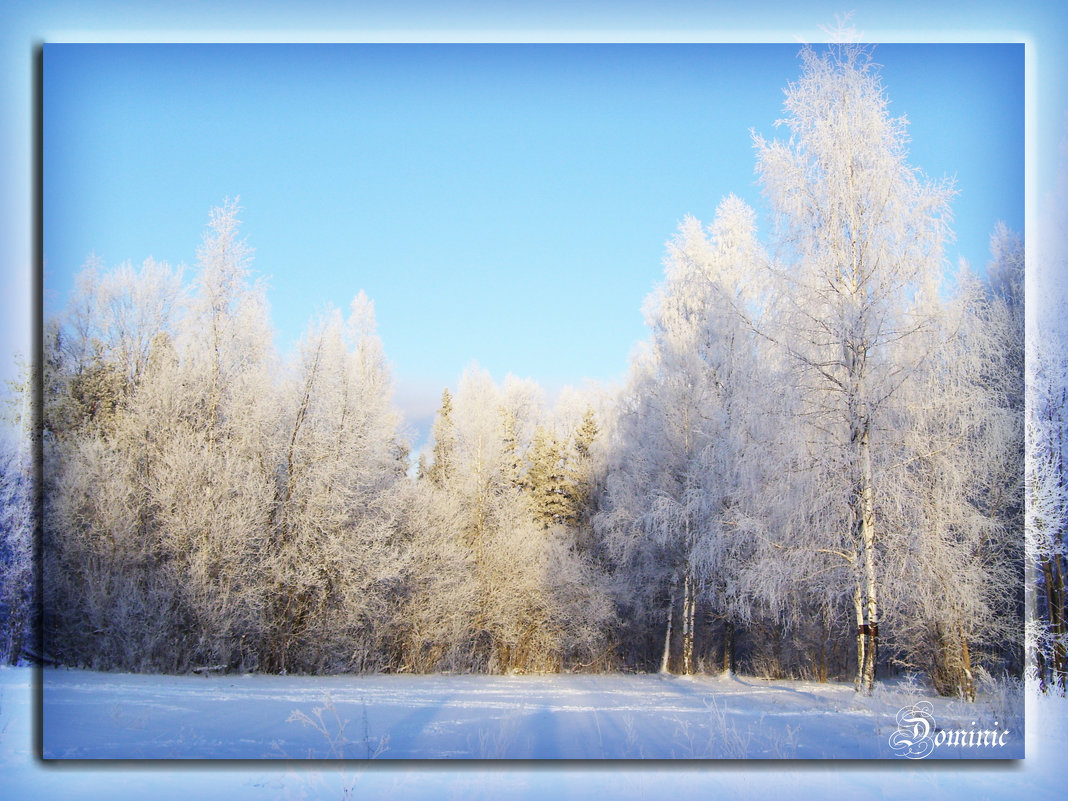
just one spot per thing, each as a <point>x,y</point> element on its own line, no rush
<point>326,720</point>
<point>1003,698</point>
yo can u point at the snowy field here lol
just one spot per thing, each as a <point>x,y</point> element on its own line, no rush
<point>111,716</point>
<point>116,716</point>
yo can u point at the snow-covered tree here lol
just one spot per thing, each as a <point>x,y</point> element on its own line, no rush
<point>953,550</point>
<point>1047,511</point>
<point>859,232</point>
<point>1047,503</point>
<point>669,506</point>
<point>335,561</point>
<point>534,602</point>
<point>158,440</point>
<point>552,500</point>
<point>17,573</point>
<point>441,468</point>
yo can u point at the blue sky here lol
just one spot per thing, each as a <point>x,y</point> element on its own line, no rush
<point>505,204</point>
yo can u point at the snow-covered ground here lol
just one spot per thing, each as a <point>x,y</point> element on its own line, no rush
<point>286,719</point>
<point>116,716</point>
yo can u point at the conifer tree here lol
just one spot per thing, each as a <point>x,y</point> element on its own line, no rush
<point>441,468</point>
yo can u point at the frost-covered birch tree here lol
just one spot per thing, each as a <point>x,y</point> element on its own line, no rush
<point>672,500</point>
<point>1047,468</point>
<point>17,569</point>
<point>108,597</point>
<point>217,492</point>
<point>1047,511</point>
<point>159,431</point>
<point>953,547</point>
<point>336,562</point>
<point>858,231</point>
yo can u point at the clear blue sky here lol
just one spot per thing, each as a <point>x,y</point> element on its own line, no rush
<point>505,204</point>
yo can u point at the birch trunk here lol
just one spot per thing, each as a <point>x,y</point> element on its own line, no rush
<point>858,606</point>
<point>1054,580</point>
<point>667,634</point>
<point>728,646</point>
<point>1060,648</point>
<point>687,625</point>
<point>867,535</point>
<point>967,682</point>
<point>826,632</point>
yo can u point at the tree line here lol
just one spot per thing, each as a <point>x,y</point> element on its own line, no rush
<point>815,467</point>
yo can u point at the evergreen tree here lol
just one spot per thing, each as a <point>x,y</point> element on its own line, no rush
<point>548,484</point>
<point>441,468</point>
